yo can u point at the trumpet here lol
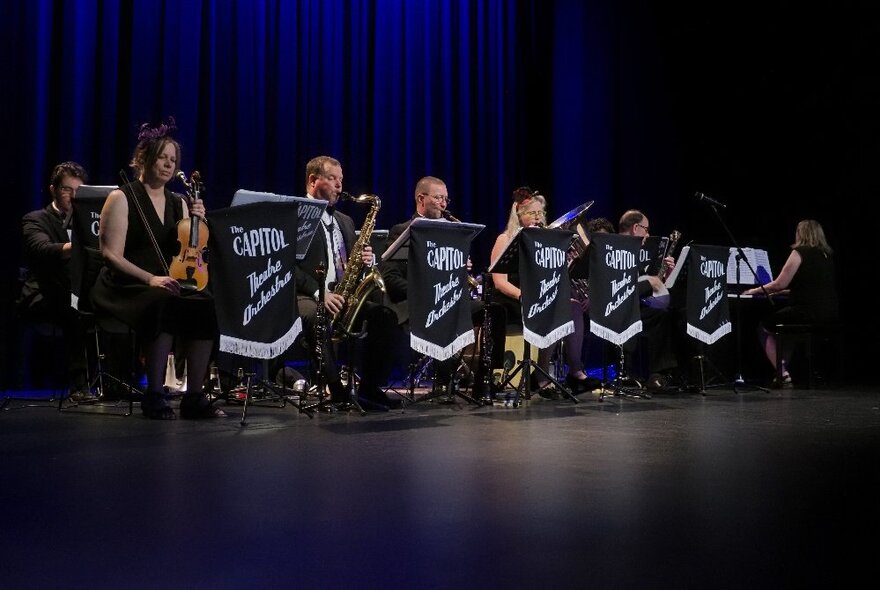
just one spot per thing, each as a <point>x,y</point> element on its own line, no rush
<point>473,283</point>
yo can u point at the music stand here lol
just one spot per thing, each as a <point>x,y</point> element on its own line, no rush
<point>312,209</point>
<point>308,213</point>
<point>399,250</point>
<point>706,335</point>
<point>739,382</point>
<point>614,307</point>
<point>508,262</point>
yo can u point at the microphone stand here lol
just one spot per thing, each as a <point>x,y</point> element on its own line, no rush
<point>738,381</point>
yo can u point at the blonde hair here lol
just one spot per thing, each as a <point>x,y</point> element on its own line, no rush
<point>809,233</point>
<point>513,223</point>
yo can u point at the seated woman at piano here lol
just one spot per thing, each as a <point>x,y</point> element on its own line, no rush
<point>139,237</point>
<point>529,209</point>
<point>808,278</point>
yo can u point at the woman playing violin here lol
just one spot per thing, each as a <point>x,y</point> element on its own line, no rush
<point>138,237</point>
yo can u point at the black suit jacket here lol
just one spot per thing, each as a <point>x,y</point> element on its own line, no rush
<point>306,275</point>
<point>394,273</point>
<point>47,286</point>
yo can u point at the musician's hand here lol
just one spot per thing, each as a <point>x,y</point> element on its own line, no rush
<point>585,304</point>
<point>167,283</point>
<point>668,264</point>
<point>470,265</point>
<point>197,208</point>
<point>367,256</point>
<point>333,302</point>
<point>656,283</point>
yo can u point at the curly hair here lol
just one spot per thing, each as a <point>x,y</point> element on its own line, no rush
<point>69,168</point>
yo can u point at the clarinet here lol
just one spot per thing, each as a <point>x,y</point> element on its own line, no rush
<point>486,348</point>
<point>320,332</point>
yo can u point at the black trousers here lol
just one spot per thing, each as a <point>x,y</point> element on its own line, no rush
<point>369,351</point>
<point>654,342</point>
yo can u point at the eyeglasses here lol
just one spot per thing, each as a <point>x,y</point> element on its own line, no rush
<point>535,214</point>
<point>439,197</point>
<point>66,190</point>
<point>644,227</point>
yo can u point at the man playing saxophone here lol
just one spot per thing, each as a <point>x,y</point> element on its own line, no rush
<point>331,245</point>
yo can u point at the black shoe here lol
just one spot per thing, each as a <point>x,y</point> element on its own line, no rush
<point>82,395</point>
<point>155,407</point>
<point>196,405</point>
<point>784,384</point>
<point>376,397</point>
<point>338,393</point>
<point>582,385</point>
<point>657,381</point>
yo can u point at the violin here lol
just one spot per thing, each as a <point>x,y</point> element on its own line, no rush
<point>189,266</point>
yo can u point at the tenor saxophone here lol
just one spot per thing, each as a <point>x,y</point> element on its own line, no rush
<point>354,290</point>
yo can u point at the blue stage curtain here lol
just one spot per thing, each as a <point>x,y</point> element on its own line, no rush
<point>486,94</point>
<point>395,90</point>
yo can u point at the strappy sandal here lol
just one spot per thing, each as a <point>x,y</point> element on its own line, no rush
<point>784,384</point>
<point>155,407</point>
<point>194,406</point>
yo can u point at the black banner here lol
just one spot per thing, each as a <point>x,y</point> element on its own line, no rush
<point>614,272</point>
<point>545,286</point>
<point>85,254</point>
<point>437,289</point>
<point>708,314</point>
<point>251,268</point>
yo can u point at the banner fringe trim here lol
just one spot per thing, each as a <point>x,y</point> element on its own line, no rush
<point>707,338</point>
<point>441,353</point>
<point>261,350</point>
<point>612,336</point>
<point>550,339</point>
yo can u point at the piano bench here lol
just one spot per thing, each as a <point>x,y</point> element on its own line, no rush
<point>807,335</point>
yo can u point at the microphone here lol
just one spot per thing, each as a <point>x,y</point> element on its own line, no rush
<point>710,200</point>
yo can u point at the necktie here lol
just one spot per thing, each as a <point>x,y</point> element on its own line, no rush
<point>339,255</point>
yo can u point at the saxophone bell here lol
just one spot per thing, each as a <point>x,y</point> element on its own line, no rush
<point>361,199</point>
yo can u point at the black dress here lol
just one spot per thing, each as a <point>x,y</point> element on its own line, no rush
<point>813,297</point>
<point>150,310</point>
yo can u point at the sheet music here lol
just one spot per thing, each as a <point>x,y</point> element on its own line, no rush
<point>510,252</point>
<point>679,263</point>
<point>759,260</point>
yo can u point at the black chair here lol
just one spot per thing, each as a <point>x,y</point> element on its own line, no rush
<point>36,331</point>
<point>86,264</point>
<point>807,338</point>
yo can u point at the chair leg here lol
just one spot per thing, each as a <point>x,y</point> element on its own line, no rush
<point>808,349</point>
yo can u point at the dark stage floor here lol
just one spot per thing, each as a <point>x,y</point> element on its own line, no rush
<point>776,489</point>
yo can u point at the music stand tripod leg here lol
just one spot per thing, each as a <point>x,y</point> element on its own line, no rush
<point>527,365</point>
<point>352,393</point>
<point>617,389</point>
